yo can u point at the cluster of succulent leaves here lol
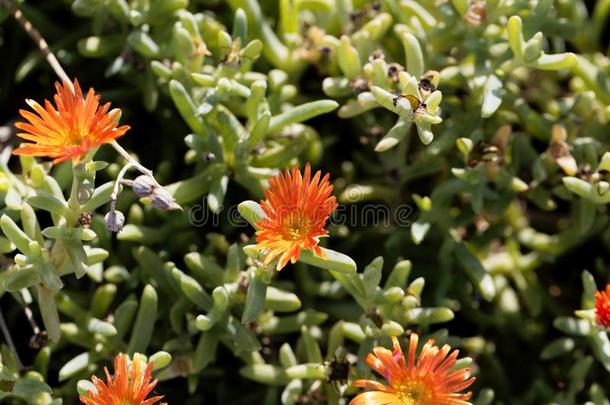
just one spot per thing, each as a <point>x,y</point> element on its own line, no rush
<point>487,119</point>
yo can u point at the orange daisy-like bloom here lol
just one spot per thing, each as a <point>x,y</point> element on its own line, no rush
<point>602,307</point>
<point>70,128</point>
<point>130,385</point>
<point>297,208</point>
<point>426,380</point>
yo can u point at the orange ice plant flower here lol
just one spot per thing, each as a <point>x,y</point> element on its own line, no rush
<point>424,380</point>
<point>602,307</point>
<point>70,128</point>
<point>129,386</point>
<point>297,209</point>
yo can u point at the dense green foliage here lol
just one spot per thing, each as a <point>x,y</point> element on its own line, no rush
<point>468,143</point>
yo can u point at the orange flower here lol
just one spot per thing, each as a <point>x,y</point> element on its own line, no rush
<point>124,388</point>
<point>427,381</point>
<point>297,208</point>
<point>602,307</point>
<point>71,128</point>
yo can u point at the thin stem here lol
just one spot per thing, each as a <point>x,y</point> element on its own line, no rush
<point>39,40</point>
<point>30,317</point>
<point>131,160</point>
<point>27,301</point>
<point>117,183</point>
<point>128,157</point>
<point>9,341</point>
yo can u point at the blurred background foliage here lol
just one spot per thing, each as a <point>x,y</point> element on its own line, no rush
<point>502,211</point>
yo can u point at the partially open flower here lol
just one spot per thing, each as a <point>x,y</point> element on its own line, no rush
<point>130,385</point>
<point>602,307</point>
<point>425,380</point>
<point>70,128</point>
<point>297,208</point>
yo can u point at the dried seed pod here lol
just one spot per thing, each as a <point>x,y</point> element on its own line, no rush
<point>325,51</point>
<point>375,315</point>
<point>559,150</point>
<point>360,84</point>
<point>85,219</point>
<point>393,70</point>
<point>311,49</point>
<point>428,83</point>
<point>377,54</point>
<point>476,13</point>
<point>484,152</point>
<point>39,339</point>
<point>338,369</point>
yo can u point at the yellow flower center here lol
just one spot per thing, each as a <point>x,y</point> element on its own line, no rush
<point>296,225</point>
<point>76,136</point>
<point>415,393</point>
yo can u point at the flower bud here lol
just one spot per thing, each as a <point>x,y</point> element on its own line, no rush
<point>143,186</point>
<point>163,200</point>
<point>114,221</point>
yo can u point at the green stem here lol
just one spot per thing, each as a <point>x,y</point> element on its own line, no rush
<point>345,281</point>
<point>73,203</point>
<point>9,341</point>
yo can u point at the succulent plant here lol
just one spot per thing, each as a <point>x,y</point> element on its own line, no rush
<point>157,242</point>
